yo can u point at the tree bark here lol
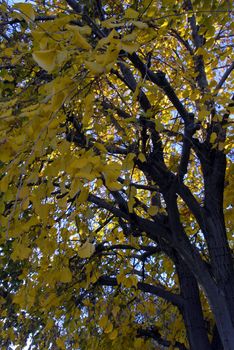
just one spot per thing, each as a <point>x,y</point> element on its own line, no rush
<point>216,293</point>
<point>192,310</point>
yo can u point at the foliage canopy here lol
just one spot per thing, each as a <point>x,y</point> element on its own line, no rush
<point>116,177</point>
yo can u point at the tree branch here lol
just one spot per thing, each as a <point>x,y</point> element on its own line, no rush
<point>187,196</point>
<point>37,19</point>
<point>130,81</point>
<point>160,80</point>
<point>79,9</point>
<point>224,77</point>
<point>190,129</point>
<point>153,333</point>
<point>159,291</point>
<point>105,205</point>
<point>198,42</point>
<point>182,41</point>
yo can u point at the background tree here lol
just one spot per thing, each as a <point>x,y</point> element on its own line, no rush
<point>116,185</point>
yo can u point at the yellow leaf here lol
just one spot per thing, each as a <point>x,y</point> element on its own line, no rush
<point>85,30</point>
<point>8,77</point>
<point>115,310</point>
<point>130,37</point>
<point>60,343</point>
<point>86,250</point>
<point>20,251</point>
<point>128,162</point>
<point>83,196</point>
<point>24,192</point>
<point>26,10</point>
<point>140,25</point>
<point>202,114</point>
<point>131,203</point>
<point>120,278</point>
<point>45,59</point>
<point>130,13</point>
<point>133,280</point>
<point>213,137</point>
<point>49,324</point>
<point>46,246</point>
<point>87,173</point>
<point>129,281</point>
<point>65,275</point>
<point>111,23</point>
<point>80,163</point>
<point>4,184</point>
<point>95,277</point>
<point>61,56</point>
<point>20,139</point>
<point>38,35</point>
<point>95,67</point>
<point>153,210</point>
<point>78,39</point>
<point>2,300</point>
<point>20,297</point>
<point>108,328</point>
<point>58,100</point>
<point>201,51</point>
<point>158,125</point>
<point>221,146</point>
<point>113,185</point>
<point>130,47</point>
<point>110,57</point>
<point>138,343</point>
<point>43,210</point>
<point>25,203</point>
<point>164,25</point>
<point>113,335</point>
<point>103,321</point>
<point>141,157</point>
<point>100,147</point>
<point>75,186</point>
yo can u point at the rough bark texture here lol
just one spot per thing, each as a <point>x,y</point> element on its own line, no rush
<point>192,310</point>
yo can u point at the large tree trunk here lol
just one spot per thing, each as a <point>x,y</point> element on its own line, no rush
<point>221,260</point>
<point>223,320</point>
<point>219,295</point>
<point>216,343</point>
<point>192,310</point>
<point>214,166</point>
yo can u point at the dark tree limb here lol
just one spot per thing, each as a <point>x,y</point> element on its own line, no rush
<point>185,43</point>
<point>224,77</point>
<point>130,81</point>
<point>153,333</point>
<point>159,291</point>
<point>105,205</point>
<point>79,9</point>
<point>160,80</point>
<point>198,41</point>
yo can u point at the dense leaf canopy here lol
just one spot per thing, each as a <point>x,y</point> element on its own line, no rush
<point>116,179</point>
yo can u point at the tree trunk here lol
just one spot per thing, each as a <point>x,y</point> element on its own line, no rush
<point>217,296</point>
<point>192,310</point>
<point>221,261</point>
<point>221,297</point>
<point>216,343</point>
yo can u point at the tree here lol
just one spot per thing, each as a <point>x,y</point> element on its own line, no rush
<point>116,185</point>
